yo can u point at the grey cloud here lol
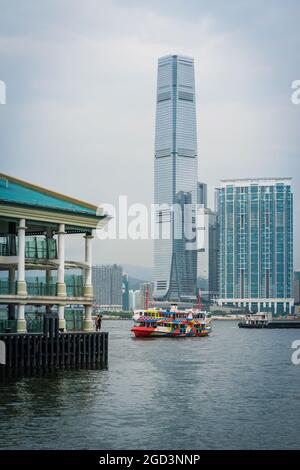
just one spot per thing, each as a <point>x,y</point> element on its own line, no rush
<point>81,80</point>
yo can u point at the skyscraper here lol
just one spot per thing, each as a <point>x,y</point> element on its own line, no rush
<point>175,256</point>
<point>256,244</point>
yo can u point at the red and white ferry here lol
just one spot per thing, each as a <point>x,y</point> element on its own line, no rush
<point>170,323</point>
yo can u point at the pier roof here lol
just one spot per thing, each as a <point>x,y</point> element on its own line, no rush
<point>27,196</point>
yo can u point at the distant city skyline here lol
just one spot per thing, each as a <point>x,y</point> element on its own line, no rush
<point>80,97</point>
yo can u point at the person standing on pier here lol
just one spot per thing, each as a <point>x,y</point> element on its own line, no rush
<point>98,322</point>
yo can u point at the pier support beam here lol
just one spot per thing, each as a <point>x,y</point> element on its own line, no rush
<point>61,286</point>
<point>21,283</point>
<point>88,322</point>
<point>61,318</point>
<point>88,287</point>
<point>21,322</point>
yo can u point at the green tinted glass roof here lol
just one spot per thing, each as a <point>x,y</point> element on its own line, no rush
<point>24,194</point>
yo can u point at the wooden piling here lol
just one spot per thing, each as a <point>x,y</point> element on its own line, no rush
<point>54,351</point>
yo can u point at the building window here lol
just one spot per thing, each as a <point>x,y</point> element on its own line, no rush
<point>267,283</point>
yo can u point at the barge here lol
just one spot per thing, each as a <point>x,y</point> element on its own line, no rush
<point>265,320</point>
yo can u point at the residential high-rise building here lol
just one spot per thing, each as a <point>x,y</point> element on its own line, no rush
<point>125,292</point>
<point>175,255</point>
<point>256,244</point>
<point>107,284</point>
<point>131,300</point>
<point>208,251</point>
<point>138,300</point>
<point>146,291</point>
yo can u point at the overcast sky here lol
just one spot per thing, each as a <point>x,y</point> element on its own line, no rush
<point>81,83</point>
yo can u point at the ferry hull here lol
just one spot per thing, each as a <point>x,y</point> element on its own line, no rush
<point>142,332</point>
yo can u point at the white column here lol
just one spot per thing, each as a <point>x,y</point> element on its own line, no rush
<point>88,287</point>
<point>21,283</point>
<point>61,317</point>
<point>61,286</point>
<point>88,324</point>
<point>21,322</point>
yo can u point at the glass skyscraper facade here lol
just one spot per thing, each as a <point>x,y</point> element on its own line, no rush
<point>256,244</point>
<point>175,257</point>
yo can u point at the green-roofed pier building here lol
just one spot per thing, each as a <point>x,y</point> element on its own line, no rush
<point>35,224</point>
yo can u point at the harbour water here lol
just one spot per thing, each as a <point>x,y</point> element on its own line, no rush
<point>237,389</point>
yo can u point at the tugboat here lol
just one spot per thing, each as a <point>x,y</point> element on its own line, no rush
<point>173,323</point>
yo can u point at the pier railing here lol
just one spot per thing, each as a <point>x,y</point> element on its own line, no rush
<point>7,288</point>
<point>8,246</point>
<point>35,247</point>
<point>74,320</point>
<point>38,288</point>
<point>8,326</point>
<point>35,322</point>
<point>75,289</point>
<point>41,288</point>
